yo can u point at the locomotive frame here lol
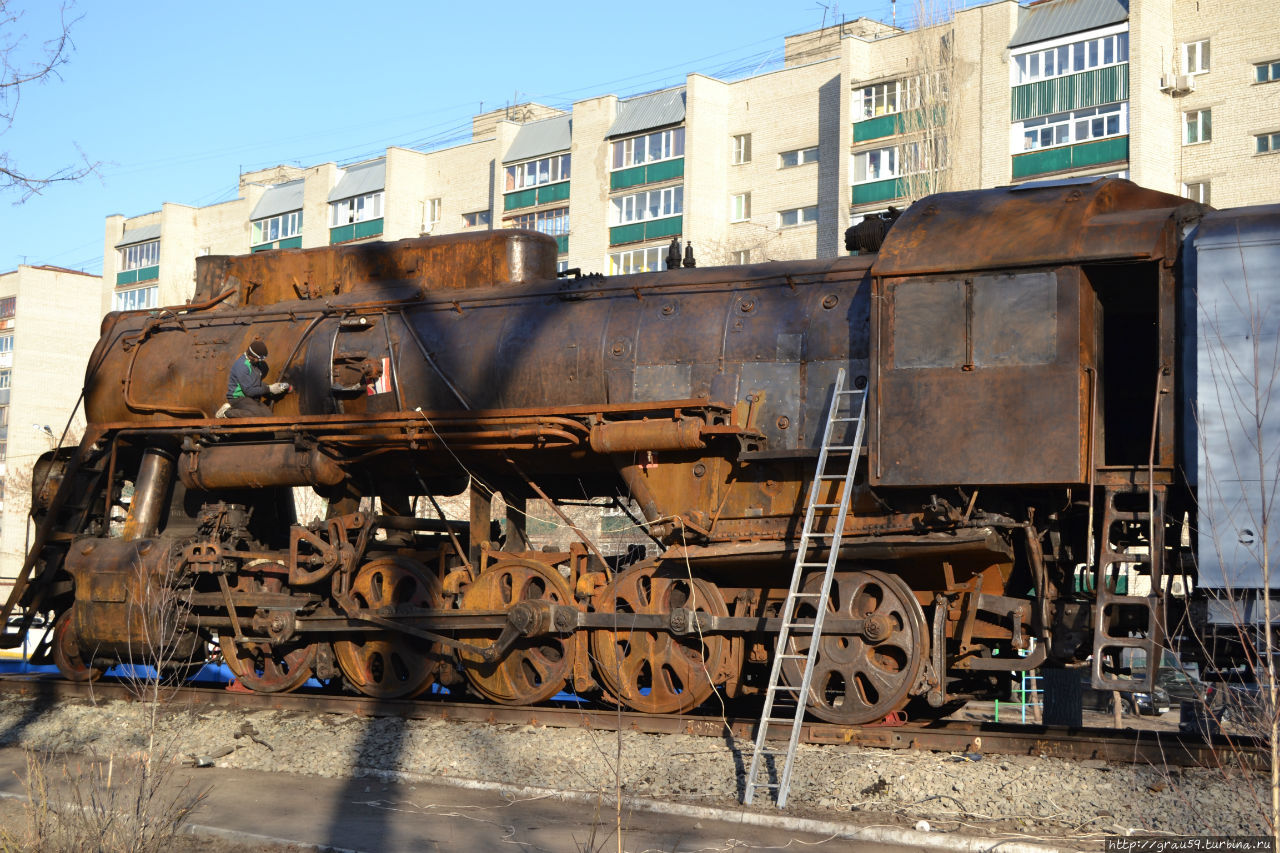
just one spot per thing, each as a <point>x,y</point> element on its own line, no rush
<point>1024,449</point>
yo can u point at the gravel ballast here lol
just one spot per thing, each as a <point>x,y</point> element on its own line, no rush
<point>1015,796</point>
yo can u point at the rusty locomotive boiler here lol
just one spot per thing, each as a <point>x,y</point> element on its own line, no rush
<point>1020,455</point>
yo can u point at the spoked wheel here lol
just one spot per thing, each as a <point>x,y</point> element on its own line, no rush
<point>860,678</point>
<point>536,668</point>
<point>73,663</point>
<point>266,667</point>
<point>391,665</point>
<point>659,672</point>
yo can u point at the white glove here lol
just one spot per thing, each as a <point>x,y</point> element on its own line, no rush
<point>278,387</point>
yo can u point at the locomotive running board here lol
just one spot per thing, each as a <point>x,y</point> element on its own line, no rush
<point>853,400</point>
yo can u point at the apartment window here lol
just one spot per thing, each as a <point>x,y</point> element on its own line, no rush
<point>740,208</point>
<point>1073,58</point>
<point>1197,192</point>
<point>1267,143</point>
<point>651,204</point>
<point>475,220</point>
<point>430,214</point>
<point>649,259</point>
<point>6,343</point>
<point>361,208</point>
<point>741,257</point>
<point>548,170</point>
<point>276,228</point>
<point>1197,126</point>
<point>880,99</point>
<point>137,299</point>
<point>797,216</point>
<point>799,157</point>
<point>1078,126</point>
<point>741,149</point>
<point>876,165</point>
<point>650,148</point>
<point>7,307</point>
<point>553,222</point>
<point>1266,72</point>
<point>4,378</point>
<point>140,256</point>
<point>1195,57</point>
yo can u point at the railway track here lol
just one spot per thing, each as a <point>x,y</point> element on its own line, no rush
<point>974,738</point>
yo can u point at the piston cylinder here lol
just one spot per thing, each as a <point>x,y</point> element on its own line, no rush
<point>256,466</point>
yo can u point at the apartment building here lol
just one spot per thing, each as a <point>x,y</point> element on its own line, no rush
<point>49,320</point>
<point>1173,94</point>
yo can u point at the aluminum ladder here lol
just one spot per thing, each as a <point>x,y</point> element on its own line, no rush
<point>837,463</point>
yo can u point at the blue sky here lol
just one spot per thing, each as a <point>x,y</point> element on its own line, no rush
<point>175,99</point>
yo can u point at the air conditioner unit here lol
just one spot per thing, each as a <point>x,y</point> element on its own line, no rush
<point>1185,83</point>
<point>1167,82</point>
<point>1177,84</point>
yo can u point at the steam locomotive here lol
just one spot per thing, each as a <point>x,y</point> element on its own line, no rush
<point>1024,465</point>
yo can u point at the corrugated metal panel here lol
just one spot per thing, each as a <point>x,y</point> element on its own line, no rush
<point>360,179</point>
<point>279,199</point>
<point>1087,89</point>
<point>540,138</point>
<point>134,236</point>
<point>1063,17</point>
<point>648,112</point>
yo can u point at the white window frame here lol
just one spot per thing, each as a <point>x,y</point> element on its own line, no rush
<point>646,148</point>
<point>1070,55</point>
<point>6,343</point>
<point>740,207</point>
<point>272,228</point>
<point>358,208</point>
<point>140,256</point>
<point>1070,128</point>
<point>1271,145</point>
<point>1195,57</point>
<point>1200,120</point>
<point>643,259</point>
<point>1266,72</point>
<point>886,163</point>
<point>537,172</point>
<point>740,257</point>
<point>647,205</point>
<point>431,213</point>
<point>554,222</point>
<point>741,149</point>
<point>799,216</point>
<point>136,298</point>
<point>6,376</point>
<point>879,99</point>
<point>798,157</point>
<point>1197,191</point>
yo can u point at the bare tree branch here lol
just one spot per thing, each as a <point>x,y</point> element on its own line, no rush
<point>17,70</point>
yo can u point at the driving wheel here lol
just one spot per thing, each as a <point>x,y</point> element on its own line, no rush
<point>659,672</point>
<point>265,667</point>
<point>861,678</point>
<point>390,664</point>
<point>73,663</point>
<point>536,668</point>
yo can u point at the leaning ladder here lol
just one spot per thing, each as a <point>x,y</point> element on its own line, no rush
<point>791,699</point>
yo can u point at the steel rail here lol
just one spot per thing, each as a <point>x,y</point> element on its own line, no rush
<point>974,739</point>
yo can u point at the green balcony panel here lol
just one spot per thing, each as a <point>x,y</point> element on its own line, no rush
<point>1115,150</point>
<point>371,228</point>
<point>664,227</point>
<point>879,191</point>
<point>626,234</point>
<point>877,128</point>
<point>524,198</point>
<point>290,243</point>
<point>149,273</point>
<point>665,170</point>
<point>553,192</point>
<point>135,276</point>
<point>265,247</point>
<point>126,277</point>
<point>1073,92</point>
<point>624,178</point>
<point>562,243</point>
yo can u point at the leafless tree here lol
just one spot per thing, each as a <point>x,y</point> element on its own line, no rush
<point>929,120</point>
<point>21,67</point>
